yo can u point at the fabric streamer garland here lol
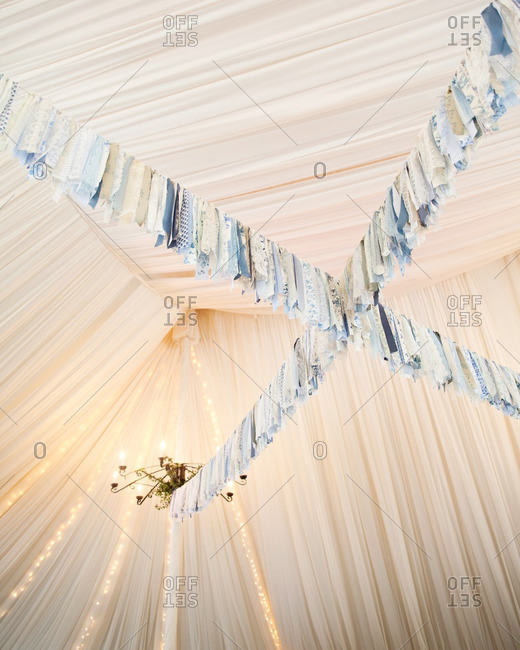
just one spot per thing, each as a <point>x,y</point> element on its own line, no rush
<point>492,85</point>
<point>90,169</point>
<point>404,343</point>
<point>484,86</point>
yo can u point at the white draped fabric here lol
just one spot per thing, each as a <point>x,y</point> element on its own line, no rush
<point>352,551</point>
<point>319,71</point>
<point>335,569</point>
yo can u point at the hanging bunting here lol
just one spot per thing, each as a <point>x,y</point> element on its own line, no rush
<point>406,345</point>
<point>91,170</point>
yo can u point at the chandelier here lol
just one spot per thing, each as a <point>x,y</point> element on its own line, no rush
<point>162,480</point>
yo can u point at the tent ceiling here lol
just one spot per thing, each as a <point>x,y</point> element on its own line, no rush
<point>324,75</point>
<point>88,368</point>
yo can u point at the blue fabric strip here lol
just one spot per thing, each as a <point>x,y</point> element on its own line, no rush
<point>499,44</point>
<point>392,346</point>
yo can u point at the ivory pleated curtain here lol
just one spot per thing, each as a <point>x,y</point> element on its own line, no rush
<point>356,550</point>
<point>369,73</point>
<point>91,376</point>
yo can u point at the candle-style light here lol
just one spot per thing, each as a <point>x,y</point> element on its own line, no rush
<point>122,466</point>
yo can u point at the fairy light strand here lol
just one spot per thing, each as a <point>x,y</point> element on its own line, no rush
<point>42,557</point>
<point>244,535</point>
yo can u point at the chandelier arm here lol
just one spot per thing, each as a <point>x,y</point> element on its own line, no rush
<point>140,498</point>
<point>127,485</point>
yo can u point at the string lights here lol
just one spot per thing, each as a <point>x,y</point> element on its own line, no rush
<point>244,536</point>
<point>257,578</point>
<point>113,569</point>
<point>167,573</point>
<point>42,557</point>
<point>86,636</point>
